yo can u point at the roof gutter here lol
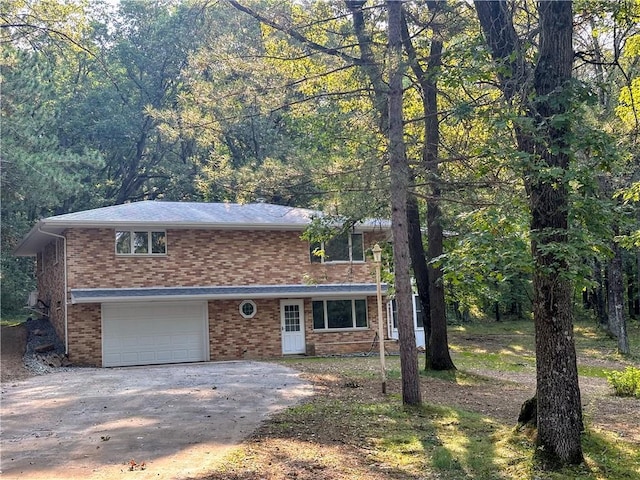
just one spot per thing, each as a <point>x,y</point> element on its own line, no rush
<point>121,295</point>
<point>66,294</point>
<point>199,225</point>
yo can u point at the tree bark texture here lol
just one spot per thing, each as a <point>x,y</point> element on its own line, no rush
<point>615,296</point>
<point>439,357</point>
<point>559,411</point>
<point>497,24</point>
<point>419,265</point>
<point>433,300</point>
<point>559,407</point>
<point>400,183</point>
<point>636,303</point>
<point>599,301</point>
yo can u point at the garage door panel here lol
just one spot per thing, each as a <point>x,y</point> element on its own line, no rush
<point>183,339</point>
<point>136,334</point>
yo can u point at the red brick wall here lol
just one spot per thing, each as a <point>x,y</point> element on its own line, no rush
<point>208,257</point>
<point>205,257</point>
<point>85,335</point>
<point>50,274</point>
<point>233,337</point>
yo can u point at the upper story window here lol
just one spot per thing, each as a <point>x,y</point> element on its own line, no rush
<point>141,242</point>
<point>346,247</point>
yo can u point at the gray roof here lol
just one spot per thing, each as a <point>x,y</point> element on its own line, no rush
<point>106,295</point>
<point>189,213</point>
<point>160,214</point>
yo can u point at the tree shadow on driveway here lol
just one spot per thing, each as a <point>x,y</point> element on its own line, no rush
<point>176,419</point>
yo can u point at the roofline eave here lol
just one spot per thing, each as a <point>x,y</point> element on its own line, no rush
<point>195,225</point>
<point>119,295</point>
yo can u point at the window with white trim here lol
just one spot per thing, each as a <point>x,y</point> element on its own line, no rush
<point>346,247</point>
<point>248,309</point>
<point>418,316</point>
<point>339,314</point>
<point>141,242</point>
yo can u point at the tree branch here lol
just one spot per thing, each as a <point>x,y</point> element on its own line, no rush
<point>293,33</point>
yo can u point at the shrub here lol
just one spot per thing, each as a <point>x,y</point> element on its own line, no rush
<point>626,383</point>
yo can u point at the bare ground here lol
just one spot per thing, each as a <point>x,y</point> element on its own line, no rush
<point>14,339</point>
<point>275,452</point>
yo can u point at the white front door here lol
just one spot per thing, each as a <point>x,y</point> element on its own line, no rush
<point>292,326</point>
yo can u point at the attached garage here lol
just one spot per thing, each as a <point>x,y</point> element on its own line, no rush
<point>147,333</point>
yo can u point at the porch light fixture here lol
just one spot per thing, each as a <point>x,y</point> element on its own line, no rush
<point>377,259</point>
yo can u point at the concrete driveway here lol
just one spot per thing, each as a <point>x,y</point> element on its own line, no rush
<point>177,419</point>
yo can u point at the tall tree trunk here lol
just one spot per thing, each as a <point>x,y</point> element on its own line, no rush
<point>615,296</point>
<point>599,300</point>
<point>636,307</point>
<point>400,183</point>
<point>631,290</point>
<point>559,407</point>
<point>559,411</point>
<point>433,299</point>
<point>439,357</point>
<point>419,265</point>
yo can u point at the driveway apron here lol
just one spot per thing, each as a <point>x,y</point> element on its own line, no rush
<point>170,421</point>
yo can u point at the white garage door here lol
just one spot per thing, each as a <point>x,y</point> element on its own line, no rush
<point>145,334</point>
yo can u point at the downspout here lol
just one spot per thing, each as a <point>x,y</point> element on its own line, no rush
<point>66,294</point>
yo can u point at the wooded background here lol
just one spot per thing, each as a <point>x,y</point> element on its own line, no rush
<point>501,138</point>
<point>107,103</point>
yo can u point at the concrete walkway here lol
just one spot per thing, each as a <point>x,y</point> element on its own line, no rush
<point>177,419</point>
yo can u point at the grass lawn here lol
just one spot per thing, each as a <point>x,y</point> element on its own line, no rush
<point>12,320</point>
<point>465,429</point>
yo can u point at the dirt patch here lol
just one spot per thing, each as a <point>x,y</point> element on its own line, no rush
<point>14,340</point>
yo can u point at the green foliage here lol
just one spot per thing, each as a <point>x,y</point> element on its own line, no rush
<point>275,122</point>
<point>626,383</point>
<point>39,24</point>
<point>632,194</point>
<point>113,94</point>
<point>107,103</point>
<point>40,173</point>
<point>16,281</point>
<point>489,261</point>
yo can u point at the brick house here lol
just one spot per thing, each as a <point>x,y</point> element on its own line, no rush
<point>164,282</point>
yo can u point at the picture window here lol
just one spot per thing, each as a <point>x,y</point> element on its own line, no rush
<point>339,314</point>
